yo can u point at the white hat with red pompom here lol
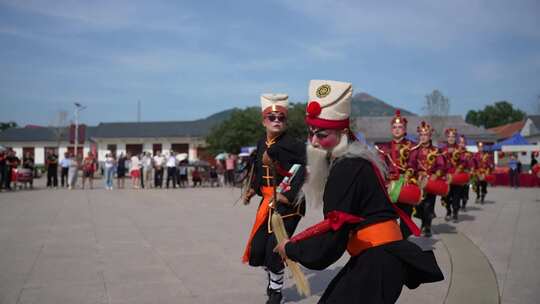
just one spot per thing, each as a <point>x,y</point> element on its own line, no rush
<point>329,105</point>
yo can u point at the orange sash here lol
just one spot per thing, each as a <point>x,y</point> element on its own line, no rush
<point>262,216</point>
<point>373,235</point>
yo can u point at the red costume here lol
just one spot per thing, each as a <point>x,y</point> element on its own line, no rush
<point>483,166</point>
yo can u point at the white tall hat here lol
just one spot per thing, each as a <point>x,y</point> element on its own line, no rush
<point>329,105</point>
<point>274,103</point>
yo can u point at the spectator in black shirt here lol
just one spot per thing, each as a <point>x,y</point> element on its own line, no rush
<point>52,170</point>
<point>28,163</point>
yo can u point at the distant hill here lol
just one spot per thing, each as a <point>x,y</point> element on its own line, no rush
<point>364,104</point>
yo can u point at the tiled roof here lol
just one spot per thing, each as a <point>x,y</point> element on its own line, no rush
<point>506,131</point>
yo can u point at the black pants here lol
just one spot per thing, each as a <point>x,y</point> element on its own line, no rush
<point>230,177</point>
<point>514,178</point>
<point>64,177</point>
<point>2,169</point>
<point>141,170</point>
<point>6,177</point>
<point>481,190</point>
<point>52,176</point>
<point>263,244</point>
<point>464,195</point>
<point>171,176</point>
<point>426,210</point>
<point>405,231</point>
<point>158,177</point>
<point>453,200</point>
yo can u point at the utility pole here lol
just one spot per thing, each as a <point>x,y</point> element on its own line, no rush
<point>138,111</point>
<point>78,107</point>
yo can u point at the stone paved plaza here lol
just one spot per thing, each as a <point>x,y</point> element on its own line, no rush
<point>184,246</point>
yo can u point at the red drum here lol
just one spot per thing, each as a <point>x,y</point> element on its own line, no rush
<point>460,179</point>
<point>437,187</point>
<point>410,194</point>
<point>490,179</point>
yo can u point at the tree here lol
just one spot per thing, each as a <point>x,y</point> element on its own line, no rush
<point>59,126</point>
<point>6,125</point>
<point>437,108</point>
<point>498,114</point>
<point>244,128</point>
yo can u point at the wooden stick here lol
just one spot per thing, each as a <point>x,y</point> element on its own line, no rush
<point>302,285</point>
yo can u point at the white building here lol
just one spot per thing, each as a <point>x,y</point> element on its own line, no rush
<point>131,137</point>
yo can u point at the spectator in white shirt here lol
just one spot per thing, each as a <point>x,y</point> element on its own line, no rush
<point>171,169</point>
<point>64,164</point>
<point>135,171</point>
<point>146,175</point>
<point>110,163</point>
<point>159,162</point>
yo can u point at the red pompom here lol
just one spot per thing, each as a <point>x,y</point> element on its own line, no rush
<point>313,109</point>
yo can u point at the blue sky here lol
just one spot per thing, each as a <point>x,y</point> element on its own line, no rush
<point>188,59</point>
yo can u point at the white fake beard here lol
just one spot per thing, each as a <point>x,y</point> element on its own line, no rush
<point>342,147</point>
<point>318,169</point>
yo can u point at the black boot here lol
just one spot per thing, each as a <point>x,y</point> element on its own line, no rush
<point>275,297</point>
<point>427,231</point>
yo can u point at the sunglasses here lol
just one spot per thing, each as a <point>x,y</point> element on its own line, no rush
<point>279,118</point>
<point>320,134</point>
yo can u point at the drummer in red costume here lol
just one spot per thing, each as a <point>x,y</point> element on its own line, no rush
<point>429,165</point>
<point>396,156</point>
<point>468,167</point>
<point>483,167</point>
<point>456,166</point>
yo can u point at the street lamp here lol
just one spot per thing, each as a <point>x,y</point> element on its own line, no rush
<point>78,107</point>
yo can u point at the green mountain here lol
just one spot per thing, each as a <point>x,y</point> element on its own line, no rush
<point>364,104</point>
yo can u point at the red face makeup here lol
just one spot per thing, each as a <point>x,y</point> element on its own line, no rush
<point>323,138</point>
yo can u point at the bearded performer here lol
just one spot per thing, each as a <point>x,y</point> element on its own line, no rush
<point>276,153</point>
<point>457,165</point>
<point>429,166</point>
<point>396,156</point>
<point>347,179</point>
<point>483,166</point>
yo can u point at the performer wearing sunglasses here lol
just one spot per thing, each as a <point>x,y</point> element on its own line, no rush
<point>347,179</point>
<point>277,152</point>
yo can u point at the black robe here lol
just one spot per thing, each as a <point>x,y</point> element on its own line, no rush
<point>377,274</point>
<point>286,151</point>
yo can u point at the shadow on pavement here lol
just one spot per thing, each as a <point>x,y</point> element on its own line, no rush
<point>471,208</point>
<point>318,281</point>
<point>444,228</point>
<point>465,217</point>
